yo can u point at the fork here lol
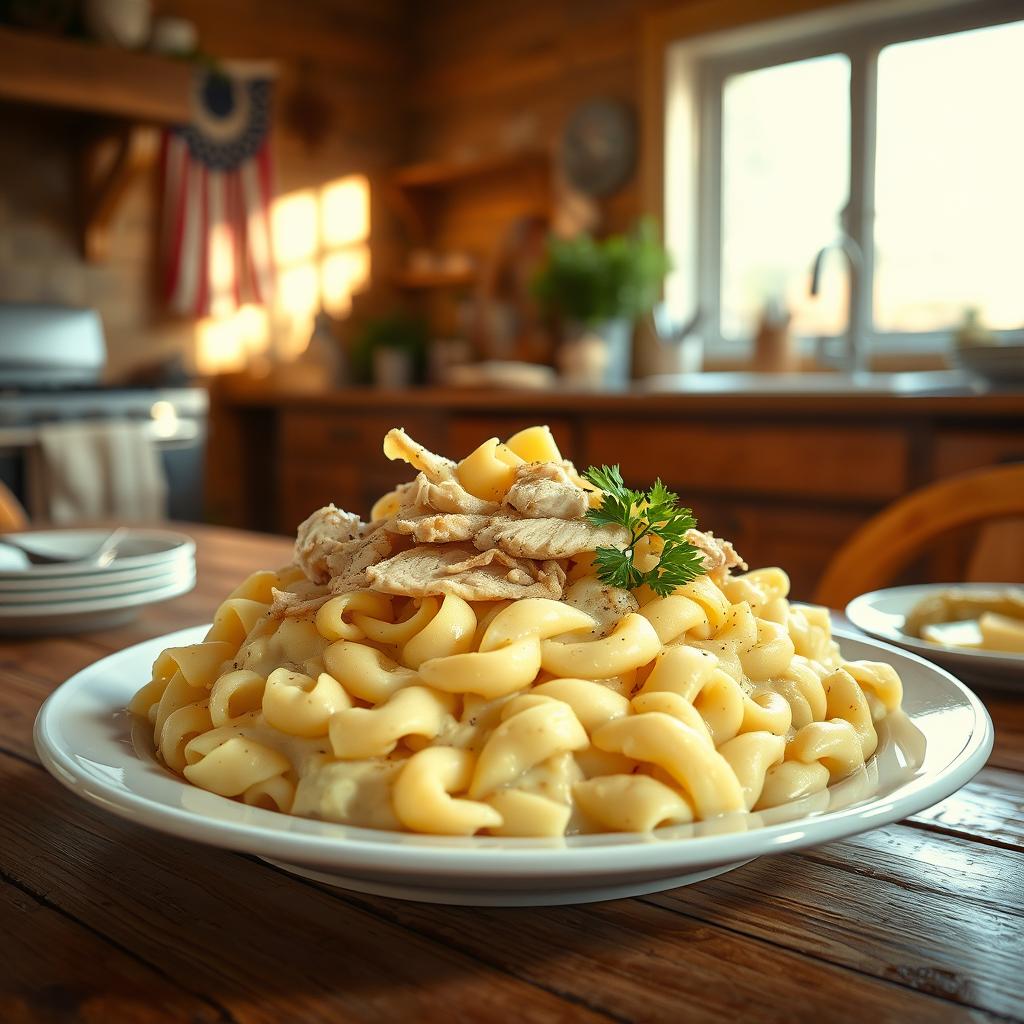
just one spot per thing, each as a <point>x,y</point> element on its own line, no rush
<point>100,558</point>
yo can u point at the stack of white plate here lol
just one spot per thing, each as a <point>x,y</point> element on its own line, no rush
<point>66,597</point>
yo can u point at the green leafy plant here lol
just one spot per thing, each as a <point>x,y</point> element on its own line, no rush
<point>593,281</point>
<point>404,333</point>
<point>656,512</point>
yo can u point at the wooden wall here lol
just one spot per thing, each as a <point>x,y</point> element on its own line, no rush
<point>352,54</point>
<point>491,76</point>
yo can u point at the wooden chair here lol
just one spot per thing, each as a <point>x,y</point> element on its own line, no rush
<point>12,515</point>
<point>884,545</point>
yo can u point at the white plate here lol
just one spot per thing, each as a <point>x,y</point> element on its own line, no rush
<point>86,739</point>
<point>141,548</point>
<point>85,590</point>
<point>882,613</point>
<point>97,577</point>
<point>78,616</point>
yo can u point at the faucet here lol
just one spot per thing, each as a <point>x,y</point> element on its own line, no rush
<point>855,357</point>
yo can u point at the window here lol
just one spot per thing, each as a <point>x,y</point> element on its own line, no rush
<point>902,134</point>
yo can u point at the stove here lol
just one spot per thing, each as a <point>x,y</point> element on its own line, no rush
<point>51,364</point>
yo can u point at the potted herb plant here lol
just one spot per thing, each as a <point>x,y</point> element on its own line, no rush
<point>598,289</point>
<point>390,351</point>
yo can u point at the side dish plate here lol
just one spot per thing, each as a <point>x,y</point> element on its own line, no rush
<point>882,613</point>
<point>91,745</point>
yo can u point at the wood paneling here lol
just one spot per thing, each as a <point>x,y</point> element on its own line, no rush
<point>491,77</point>
<point>327,438</point>
<point>959,451</point>
<point>330,456</point>
<point>859,463</point>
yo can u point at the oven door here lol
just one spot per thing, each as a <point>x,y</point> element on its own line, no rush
<point>180,440</point>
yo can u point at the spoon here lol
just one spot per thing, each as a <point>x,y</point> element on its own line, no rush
<point>100,558</point>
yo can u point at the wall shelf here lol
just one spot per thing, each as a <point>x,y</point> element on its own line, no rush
<point>121,88</point>
<point>77,75</point>
<point>441,173</point>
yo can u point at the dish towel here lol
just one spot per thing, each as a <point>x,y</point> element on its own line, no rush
<point>96,470</point>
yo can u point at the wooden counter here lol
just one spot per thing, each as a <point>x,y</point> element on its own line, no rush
<point>787,478</point>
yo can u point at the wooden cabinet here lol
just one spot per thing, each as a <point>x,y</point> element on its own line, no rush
<point>788,481</point>
<point>305,487</point>
<point>861,463</point>
<point>335,456</point>
<point>799,537</point>
<point>959,451</point>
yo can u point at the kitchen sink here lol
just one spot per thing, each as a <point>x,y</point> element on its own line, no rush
<point>931,382</point>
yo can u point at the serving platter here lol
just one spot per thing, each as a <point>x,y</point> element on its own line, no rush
<point>94,747</point>
<point>882,614</point>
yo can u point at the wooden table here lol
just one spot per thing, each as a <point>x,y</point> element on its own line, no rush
<point>107,922</point>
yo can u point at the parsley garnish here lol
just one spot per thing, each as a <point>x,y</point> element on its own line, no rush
<point>655,512</point>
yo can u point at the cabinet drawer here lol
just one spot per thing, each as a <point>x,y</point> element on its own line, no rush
<point>329,436</point>
<point>861,463</point>
<point>801,539</point>
<point>305,488</point>
<point>467,432</point>
<point>959,451</point>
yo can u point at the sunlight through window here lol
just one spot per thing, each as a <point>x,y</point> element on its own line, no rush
<point>950,207</point>
<point>783,187</point>
<point>322,258</point>
<point>345,211</point>
<point>226,344</point>
<point>294,226</point>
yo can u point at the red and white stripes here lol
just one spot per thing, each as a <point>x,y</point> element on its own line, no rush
<point>217,253</point>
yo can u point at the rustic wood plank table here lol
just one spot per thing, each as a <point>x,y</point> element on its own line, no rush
<point>105,921</point>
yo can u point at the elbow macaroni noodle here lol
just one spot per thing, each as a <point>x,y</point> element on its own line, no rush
<point>517,718</point>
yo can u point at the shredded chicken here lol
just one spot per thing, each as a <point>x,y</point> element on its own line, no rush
<point>432,537</point>
<point>544,490</point>
<point>293,605</point>
<point>547,538</point>
<point>436,569</point>
<point>719,555</point>
<point>320,536</point>
<point>440,528</point>
<point>348,565</point>
<point>450,496</point>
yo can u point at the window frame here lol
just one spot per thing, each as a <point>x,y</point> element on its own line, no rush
<point>860,34</point>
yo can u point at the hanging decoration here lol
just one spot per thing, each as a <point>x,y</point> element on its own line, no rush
<point>216,196</point>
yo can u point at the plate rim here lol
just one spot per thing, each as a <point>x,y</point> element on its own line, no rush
<point>182,583</point>
<point>105,591</point>
<point>101,577</point>
<point>989,660</point>
<point>522,858</point>
<point>182,543</point>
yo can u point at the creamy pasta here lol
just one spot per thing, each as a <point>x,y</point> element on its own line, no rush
<point>457,666</point>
